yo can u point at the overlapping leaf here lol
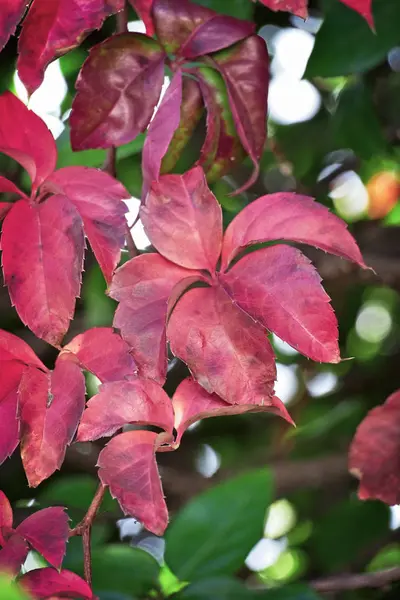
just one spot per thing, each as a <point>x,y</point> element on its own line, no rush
<point>48,582</point>
<point>299,7</point>
<point>46,531</point>
<point>10,15</point>
<point>375,453</point>
<point>44,282</point>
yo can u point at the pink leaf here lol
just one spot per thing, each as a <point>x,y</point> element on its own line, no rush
<point>127,465</point>
<point>13,554</point>
<point>10,15</point>
<point>363,7</point>
<point>226,351</point>
<point>140,401</point>
<point>43,281</point>
<point>190,30</point>
<point>47,532</point>
<point>374,456</point>
<point>142,286</point>
<point>51,407</point>
<point>113,109</point>
<point>289,216</point>
<point>297,7</point>
<point>9,187</point>
<point>22,143</point>
<point>47,582</point>
<point>143,10</point>
<point>279,287</point>
<point>98,199</point>
<point>13,348</point>
<point>161,131</point>
<point>4,208</point>
<point>102,352</point>
<point>10,377</point>
<point>184,220</point>
<point>191,403</point>
<point>52,28</point>
<point>6,513</point>
<point>244,68</point>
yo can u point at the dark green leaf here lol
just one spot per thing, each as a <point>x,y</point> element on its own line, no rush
<point>234,8</point>
<point>221,588</point>
<point>346,45</point>
<point>214,533</point>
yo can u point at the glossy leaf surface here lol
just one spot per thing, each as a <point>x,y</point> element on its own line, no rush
<point>279,287</point>
<point>42,292</point>
<point>113,109</point>
<point>127,465</point>
<point>183,220</point>
<point>375,453</point>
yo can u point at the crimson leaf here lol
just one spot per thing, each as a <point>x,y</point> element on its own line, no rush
<point>10,15</point>
<point>47,582</point>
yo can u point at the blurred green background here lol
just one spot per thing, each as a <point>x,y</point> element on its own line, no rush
<point>259,509</point>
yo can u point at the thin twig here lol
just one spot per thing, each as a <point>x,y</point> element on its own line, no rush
<point>347,582</point>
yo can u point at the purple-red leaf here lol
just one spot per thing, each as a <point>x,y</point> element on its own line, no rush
<point>47,532</point>
<point>127,465</point>
<point>191,403</point>
<point>50,409</point>
<point>52,28</point>
<point>98,199</point>
<point>184,220</point>
<point>375,453</point>
<point>10,15</point>
<point>113,109</point>
<point>143,10</point>
<point>245,70</point>
<point>289,216</point>
<point>9,187</point>
<point>6,513</point>
<point>297,7</point>
<point>10,377</point>
<point>160,132</point>
<point>4,208</point>
<point>13,554</point>
<point>190,30</point>
<point>279,287</point>
<point>13,348</point>
<point>102,352</point>
<point>43,247</point>
<point>226,351</point>
<point>140,401</point>
<point>49,583</point>
<point>25,138</point>
<point>142,286</point>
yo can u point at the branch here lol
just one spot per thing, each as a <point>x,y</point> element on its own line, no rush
<point>347,582</point>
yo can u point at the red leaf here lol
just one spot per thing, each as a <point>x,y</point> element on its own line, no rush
<point>127,465</point>
<point>42,281</point>
<point>98,199</point>
<point>10,377</point>
<point>6,513</point>
<point>51,407</point>
<point>113,109</point>
<point>140,401</point>
<point>13,348</point>
<point>143,10</point>
<point>102,352</point>
<point>13,554</point>
<point>184,220</point>
<point>279,287</point>
<point>10,15</point>
<point>297,7</point>
<point>191,403</point>
<point>245,70</point>
<point>190,30</point>
<point>160,132</point>
<point>142,286</point>
<point>43,583</point>
<point>47,532</point>
<point>9,187</point>
<point>363,7</point>
<point>4,208</point>
<point>22,143</point>
<point>52,28</point>
<point>227,352</point>
<point>289,216</point>
<point>375,453</point>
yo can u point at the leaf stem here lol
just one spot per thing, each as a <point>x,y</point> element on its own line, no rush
<point>356,581</point>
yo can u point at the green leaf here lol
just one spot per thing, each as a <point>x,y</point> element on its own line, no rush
<point>75,492</point>
<point>345,44</point>
<point>235,8</point>
<point>222,588</point>
<point>355,123</point>
<point>290,592</point>
<point>10,590</point>
<point>214,533</point>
